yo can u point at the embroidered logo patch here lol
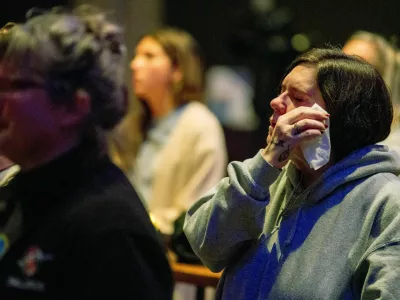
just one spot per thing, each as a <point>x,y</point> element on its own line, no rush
<point>30,263</point>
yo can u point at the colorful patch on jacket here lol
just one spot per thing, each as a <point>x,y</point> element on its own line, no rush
<point>30,263</point>
<point>4,244</point>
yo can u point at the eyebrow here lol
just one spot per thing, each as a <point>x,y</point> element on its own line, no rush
<point>292,88</point>
<point>297,90</point>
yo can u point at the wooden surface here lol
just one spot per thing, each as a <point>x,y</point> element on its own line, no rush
<point>197,275</point>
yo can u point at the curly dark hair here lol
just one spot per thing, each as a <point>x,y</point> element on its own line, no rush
<point>67,50</point>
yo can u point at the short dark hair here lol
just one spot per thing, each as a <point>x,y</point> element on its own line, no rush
<point>67,50</point>
<point>356,98</point>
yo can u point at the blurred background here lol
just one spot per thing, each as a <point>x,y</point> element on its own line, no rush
<point>246,45</point>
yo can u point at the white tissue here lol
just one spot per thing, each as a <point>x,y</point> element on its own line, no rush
<point>317,151</point>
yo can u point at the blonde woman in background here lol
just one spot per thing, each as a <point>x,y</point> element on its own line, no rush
<point>173,150</point>
<point>380,53</point>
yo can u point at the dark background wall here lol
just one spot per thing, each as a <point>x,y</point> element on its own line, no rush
<point>337,19</point>
<point>231,33</point>
<point>15,10</point>
<point>214,22</point>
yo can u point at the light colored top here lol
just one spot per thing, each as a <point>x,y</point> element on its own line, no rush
<point>157,137</point>
<point>191,161</point>
<point>342,242</point>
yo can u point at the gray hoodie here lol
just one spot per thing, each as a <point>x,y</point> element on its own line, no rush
<point>339,240</point>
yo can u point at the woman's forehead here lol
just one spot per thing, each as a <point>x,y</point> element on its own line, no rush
<point>303,77</point>
<point>148,43</point>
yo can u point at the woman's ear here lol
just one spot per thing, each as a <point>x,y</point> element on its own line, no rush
<point>76,114</point>
<point>177,75</point>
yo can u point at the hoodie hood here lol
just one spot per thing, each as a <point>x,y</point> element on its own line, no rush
<point>362,163</point>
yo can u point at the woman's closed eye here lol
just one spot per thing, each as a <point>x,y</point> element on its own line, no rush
<point>298,99</point>
<point>149,55</point>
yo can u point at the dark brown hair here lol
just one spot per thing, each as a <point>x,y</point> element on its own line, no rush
<point>355,95</point>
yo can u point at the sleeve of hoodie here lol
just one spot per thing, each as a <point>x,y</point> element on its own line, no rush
<point>383,275</point>
<point>231,213</point>
<point>382,265</point>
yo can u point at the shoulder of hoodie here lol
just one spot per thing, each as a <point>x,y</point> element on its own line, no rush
<point>390,188</point>
<point>385,209</point>
<point>384,189</point>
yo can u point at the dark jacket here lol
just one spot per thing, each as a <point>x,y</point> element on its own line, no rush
<point>85,235</point>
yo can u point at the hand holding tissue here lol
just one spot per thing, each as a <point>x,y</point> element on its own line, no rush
<point>317,151</point>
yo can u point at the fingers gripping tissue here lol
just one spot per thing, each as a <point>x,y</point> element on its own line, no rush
<point>317,151</point>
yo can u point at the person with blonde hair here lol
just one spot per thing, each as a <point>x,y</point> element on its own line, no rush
<point>174,151</point>
<point>380,53</point>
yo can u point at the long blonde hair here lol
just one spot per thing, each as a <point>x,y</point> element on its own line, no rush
<point>387,62</point>
<point>184,53</point>
<point>384,52</point>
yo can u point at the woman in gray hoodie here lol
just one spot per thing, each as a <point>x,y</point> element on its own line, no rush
<point>283,227</point>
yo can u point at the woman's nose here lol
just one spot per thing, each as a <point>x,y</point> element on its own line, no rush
<point>278,104</point>
<point>135,63</point>
<point>132,64</point>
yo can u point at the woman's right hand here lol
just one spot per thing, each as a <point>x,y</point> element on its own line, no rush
<point>300,124</point>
